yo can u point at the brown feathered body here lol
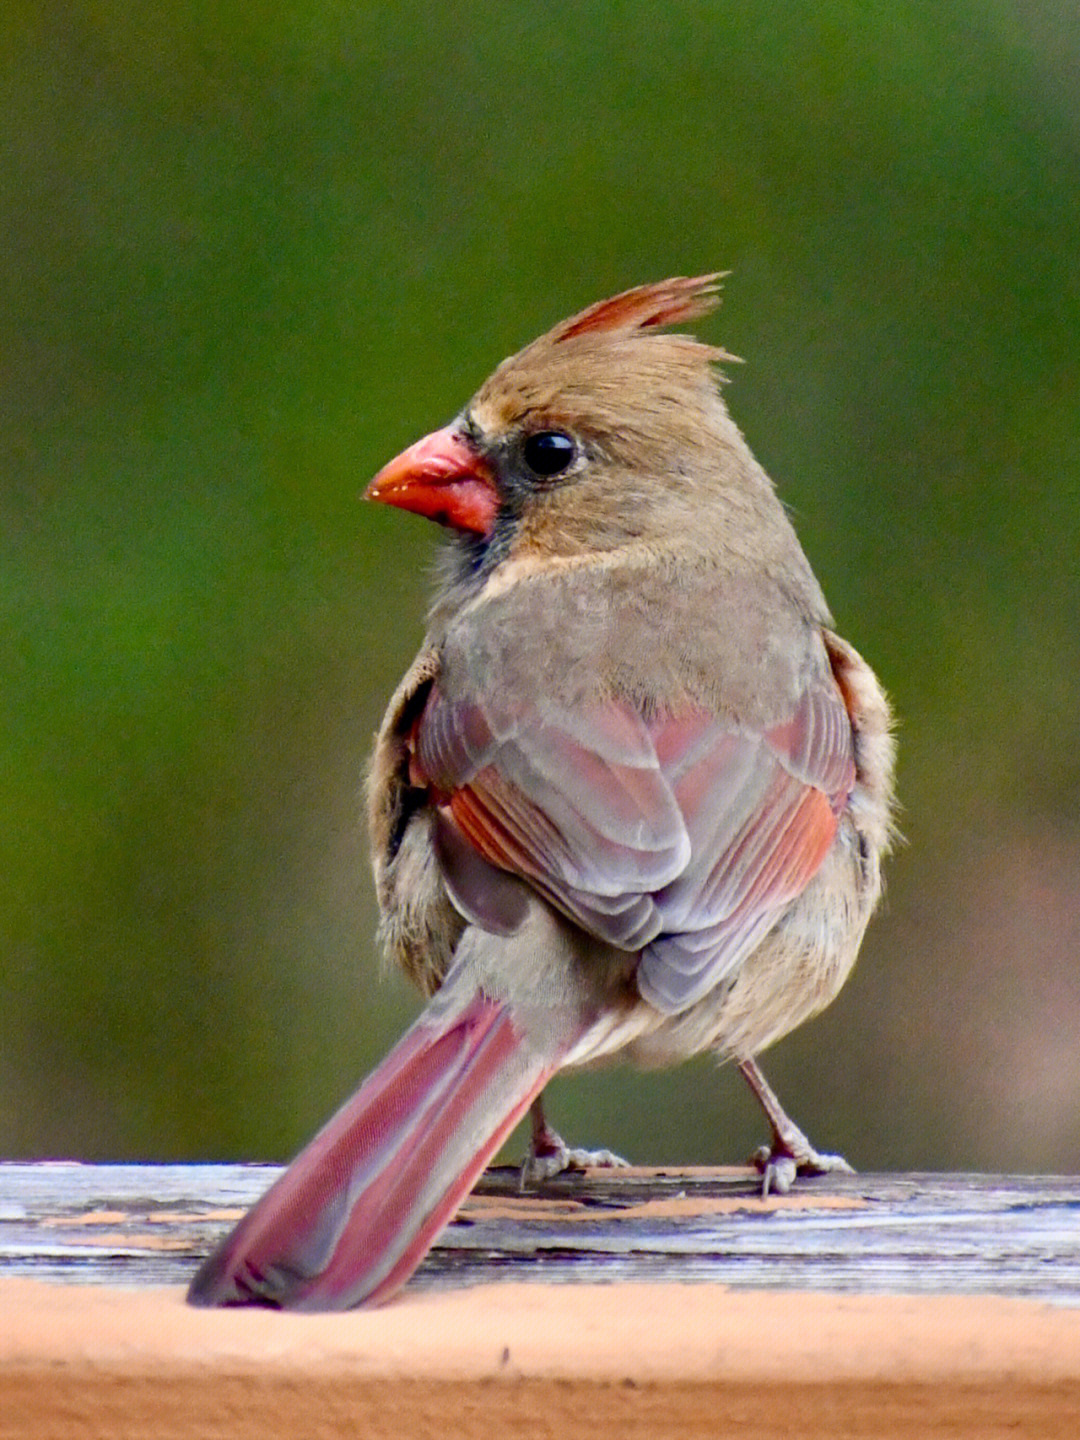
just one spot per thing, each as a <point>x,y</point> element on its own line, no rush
<point>631,798</point>
<point>668,577</point>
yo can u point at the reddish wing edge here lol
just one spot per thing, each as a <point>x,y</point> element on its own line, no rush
<point>359,1208</point>
<point>691,859</point>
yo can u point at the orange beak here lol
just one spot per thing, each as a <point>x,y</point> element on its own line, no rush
<point>443,478</point>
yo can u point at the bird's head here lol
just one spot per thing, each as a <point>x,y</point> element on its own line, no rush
<point>604,431</point>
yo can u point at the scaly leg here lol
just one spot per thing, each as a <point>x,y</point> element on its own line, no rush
<point>549,1155</point>
<point>790,1153</point>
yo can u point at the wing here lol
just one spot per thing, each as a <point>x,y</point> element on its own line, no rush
<point>576,803</point>
<point>761,810</point>
<point>683,836</point>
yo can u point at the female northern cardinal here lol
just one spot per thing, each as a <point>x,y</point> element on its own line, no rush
<point>632,796</point>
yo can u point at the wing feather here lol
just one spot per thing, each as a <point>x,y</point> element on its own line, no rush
<point>684,837</point>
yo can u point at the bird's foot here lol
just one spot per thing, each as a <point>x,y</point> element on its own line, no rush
<point>789,1156</point>
<point>539,1166</point>
<point>549,1155</point>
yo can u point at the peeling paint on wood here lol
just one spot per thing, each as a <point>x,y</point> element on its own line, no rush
<point>142,1225</point>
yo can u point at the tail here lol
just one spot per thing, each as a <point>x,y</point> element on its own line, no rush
<point>359,1208</point>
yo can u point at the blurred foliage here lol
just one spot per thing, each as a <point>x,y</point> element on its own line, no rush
<point>252,250</point>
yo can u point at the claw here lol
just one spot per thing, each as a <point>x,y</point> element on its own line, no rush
<point>535,1169</point>
<point>780,1169</point>
<point>790,1154</point>
<point>549,1155</point>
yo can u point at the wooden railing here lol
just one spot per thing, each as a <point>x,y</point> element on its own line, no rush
<point>676,1300</point>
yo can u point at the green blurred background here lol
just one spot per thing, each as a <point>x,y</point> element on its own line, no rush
<point>251,250</point>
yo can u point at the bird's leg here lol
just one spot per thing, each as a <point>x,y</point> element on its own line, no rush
<point>790,1153</point>
<point>549,1155</point>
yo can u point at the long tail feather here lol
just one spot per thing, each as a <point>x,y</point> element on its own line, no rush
<point>358,1209</point>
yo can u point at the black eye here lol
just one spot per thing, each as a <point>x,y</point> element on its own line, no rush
<point>549,452</point>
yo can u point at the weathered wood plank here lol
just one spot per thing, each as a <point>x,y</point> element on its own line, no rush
<point>142,1225</point>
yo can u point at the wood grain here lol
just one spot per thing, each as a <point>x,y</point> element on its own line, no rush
<point>142,1225</point>
<point>641,1303</point>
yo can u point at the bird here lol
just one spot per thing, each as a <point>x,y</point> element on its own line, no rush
<point>631,799</point>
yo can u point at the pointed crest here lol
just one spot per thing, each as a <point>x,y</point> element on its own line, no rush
<point>548,375</point>
<point>645,307</point>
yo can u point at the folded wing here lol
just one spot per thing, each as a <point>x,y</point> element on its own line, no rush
<point>682,836</point>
